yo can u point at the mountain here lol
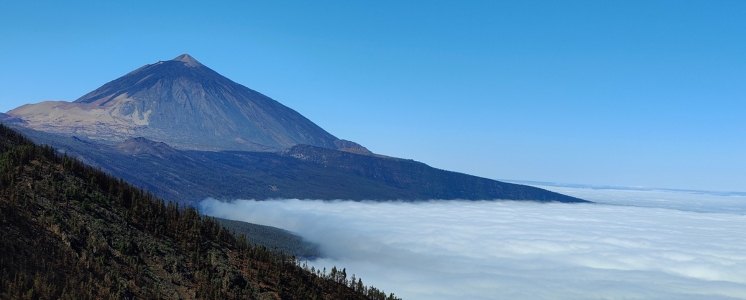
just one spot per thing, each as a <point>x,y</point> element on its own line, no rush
<point>186,133</point>
<point>182,103</point>
<point>69,231</point>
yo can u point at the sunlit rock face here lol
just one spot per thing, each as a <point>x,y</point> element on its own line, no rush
<point>182,103</point>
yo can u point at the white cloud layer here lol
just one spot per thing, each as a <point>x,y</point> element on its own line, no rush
<point>519,250</point>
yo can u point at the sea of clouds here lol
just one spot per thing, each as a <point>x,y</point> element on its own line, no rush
<point>630,244</point>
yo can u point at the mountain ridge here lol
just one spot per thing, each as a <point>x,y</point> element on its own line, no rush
<point>301,172</point>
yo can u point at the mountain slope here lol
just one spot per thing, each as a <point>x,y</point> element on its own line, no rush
<point>303,172</point>
<point>418,178</point>
<point>68,231</point>
<point>273,238</point>
<point>182,103</point>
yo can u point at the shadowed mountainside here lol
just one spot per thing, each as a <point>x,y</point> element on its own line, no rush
<point>273,238</point>
<point>303,172</point>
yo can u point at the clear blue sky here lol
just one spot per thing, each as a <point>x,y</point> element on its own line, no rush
<point>630,93</point>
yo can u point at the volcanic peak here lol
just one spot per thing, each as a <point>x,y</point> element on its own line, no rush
<point>182,103</point>
<point>188,60</point>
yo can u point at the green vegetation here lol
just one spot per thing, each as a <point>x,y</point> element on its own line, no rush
<point>70,231</point>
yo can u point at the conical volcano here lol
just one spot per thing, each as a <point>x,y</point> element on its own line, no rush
<point>182,103</point>
<point>142,123</point>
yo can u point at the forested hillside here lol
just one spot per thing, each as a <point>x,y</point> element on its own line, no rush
<point>69,231</point>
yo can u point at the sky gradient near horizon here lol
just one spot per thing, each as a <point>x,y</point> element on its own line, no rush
<point>645,93</point>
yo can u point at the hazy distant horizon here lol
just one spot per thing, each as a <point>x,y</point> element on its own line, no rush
<point>551,185</point>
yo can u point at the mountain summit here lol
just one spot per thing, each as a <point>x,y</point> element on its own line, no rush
<point>182,103</point>
<point>188,60</point>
